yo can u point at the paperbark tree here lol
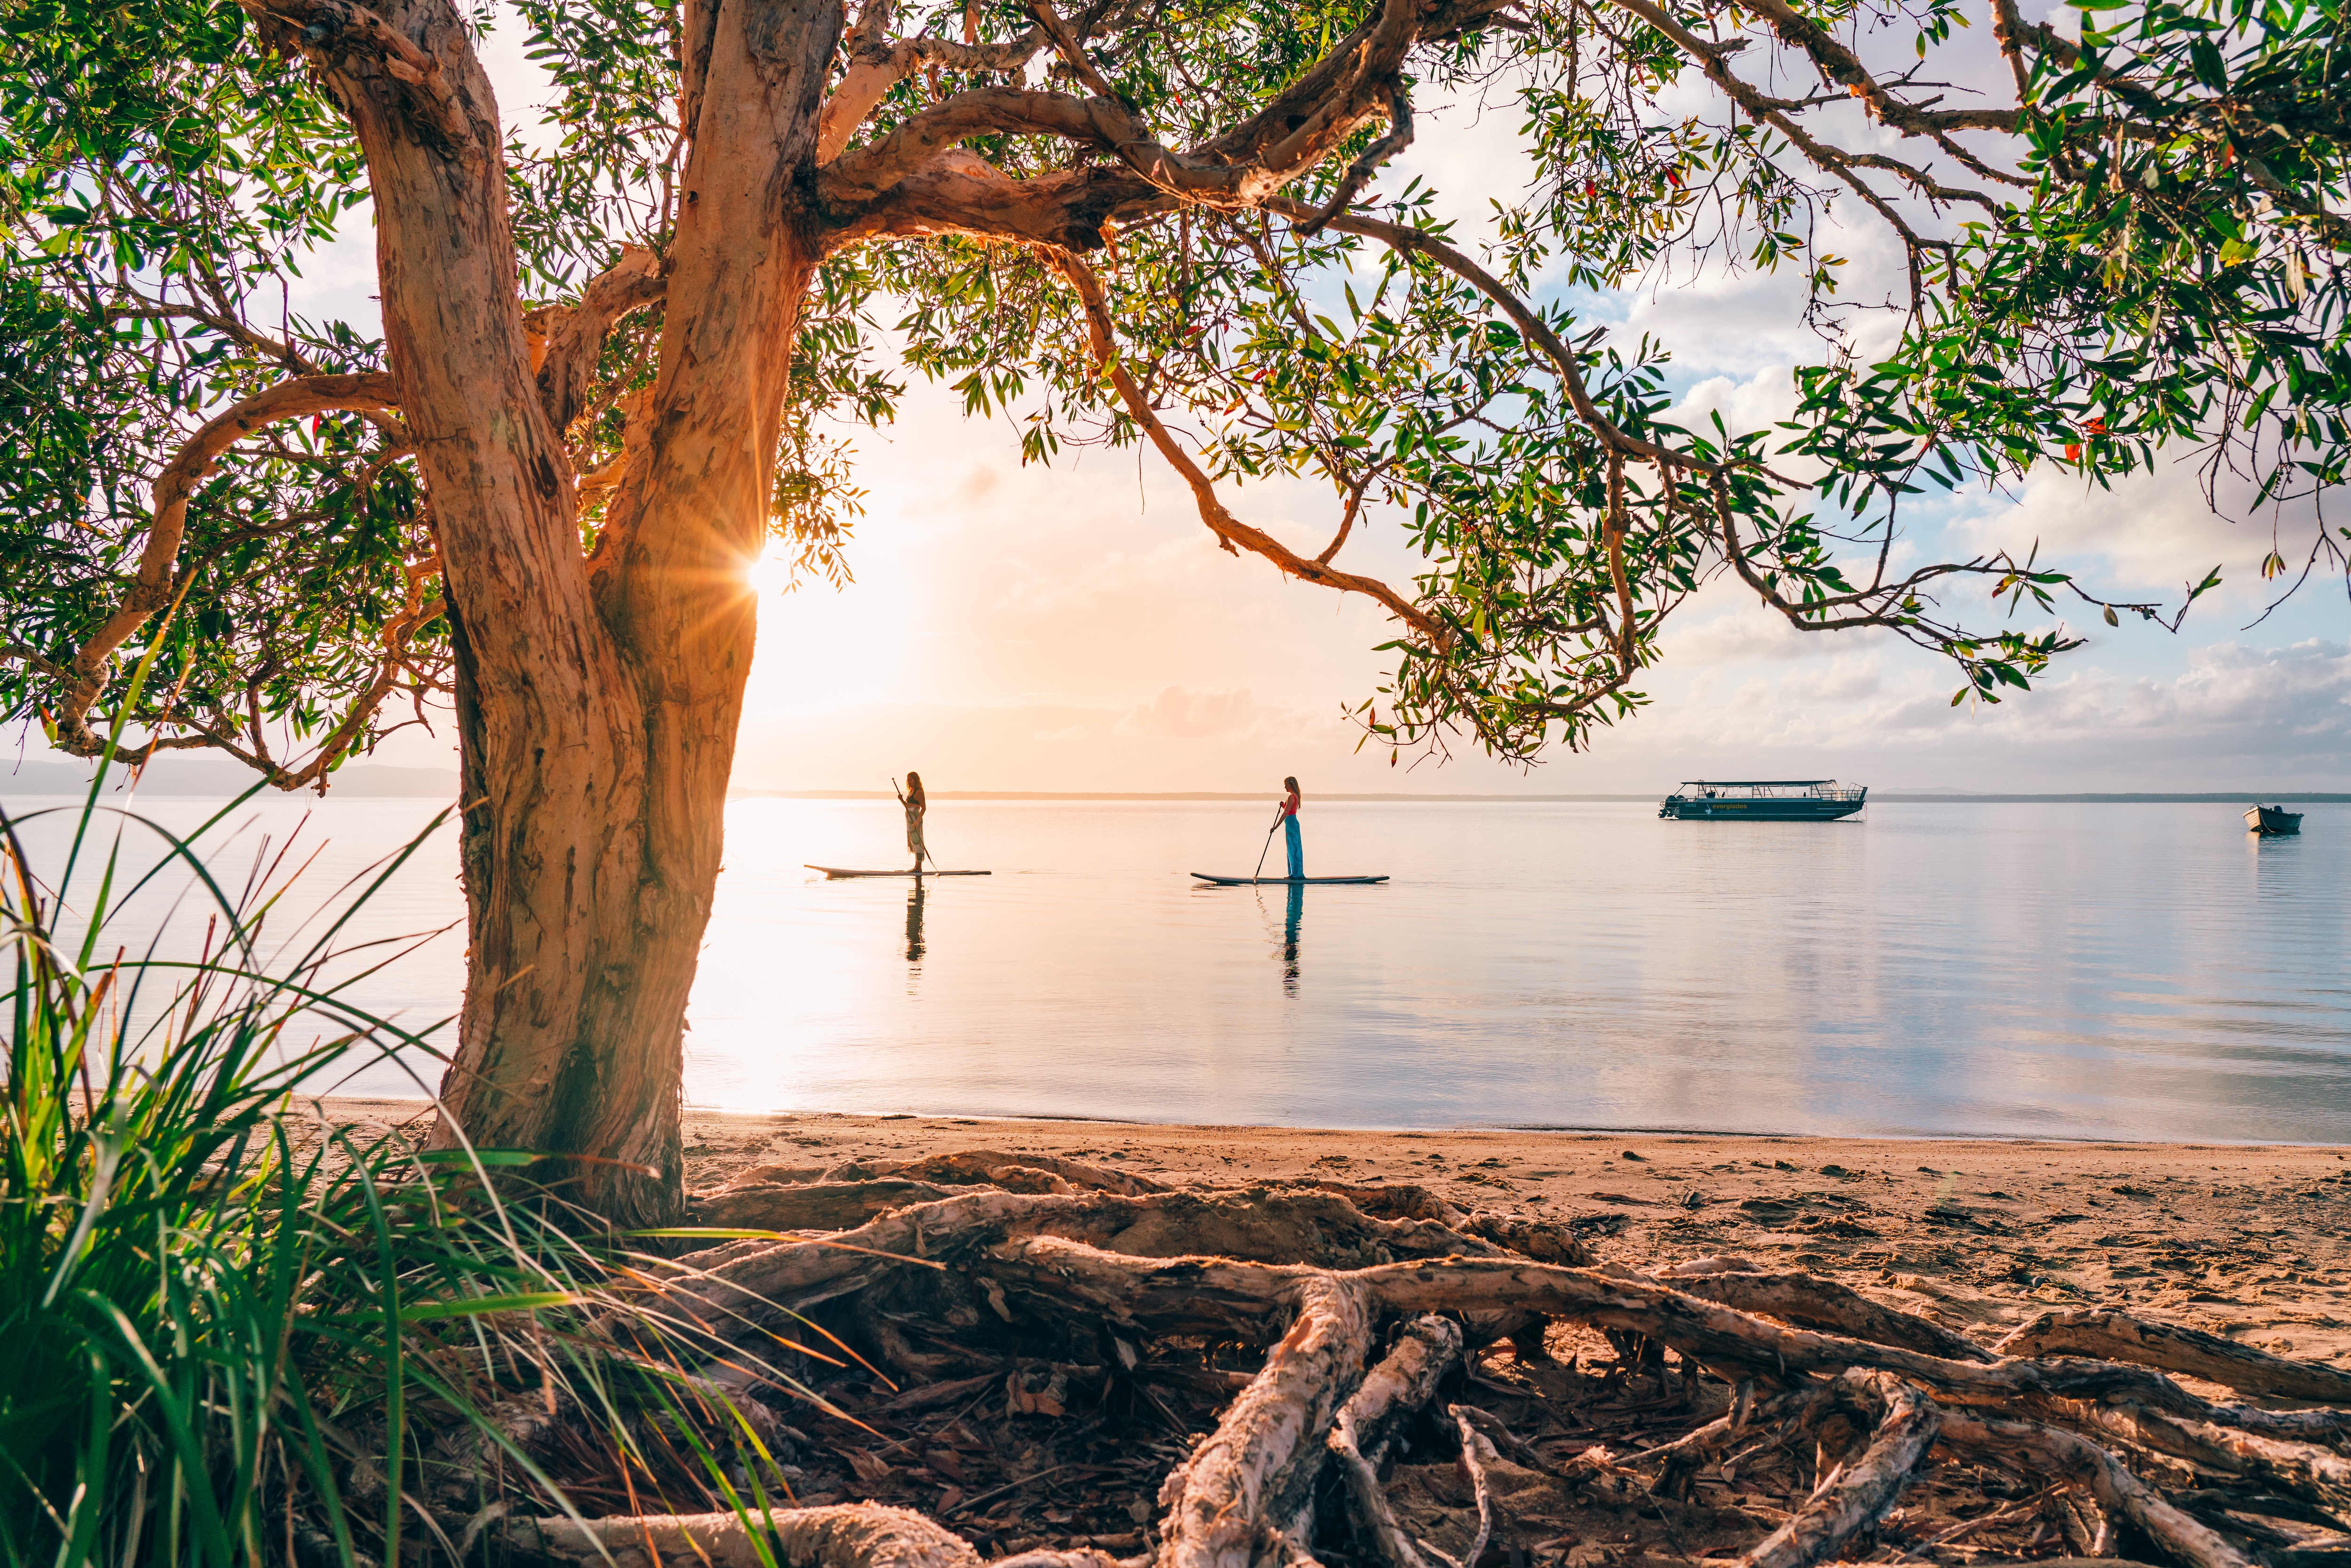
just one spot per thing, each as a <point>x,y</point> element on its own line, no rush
<point>1142,220</point>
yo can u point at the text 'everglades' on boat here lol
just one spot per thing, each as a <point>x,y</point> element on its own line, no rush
<point>1764,800</point>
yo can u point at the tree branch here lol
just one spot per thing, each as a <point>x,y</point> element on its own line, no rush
<point>151,589</point>
<point>905,185</point>
<point>1538,331</point>
<point>1231,532</point>
<point>328,30</point>
<point>1350,183</point>
<point>566,339</point>
<point>1714,59</point>
<point>876,66</point>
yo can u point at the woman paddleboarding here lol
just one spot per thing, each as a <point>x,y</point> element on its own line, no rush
<point>1290,805</point>
<point>916,805</point>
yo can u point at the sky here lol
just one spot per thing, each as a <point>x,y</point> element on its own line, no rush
<point>1075,627</point>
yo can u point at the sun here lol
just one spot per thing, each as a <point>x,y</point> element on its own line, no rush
<point>769,575</point>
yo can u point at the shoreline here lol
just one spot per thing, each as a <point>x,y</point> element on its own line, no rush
<point>2249,1240</point>
<point>412,1104</point>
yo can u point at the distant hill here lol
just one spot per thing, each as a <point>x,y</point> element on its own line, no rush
<point>220,777</point>
<point>217,777</point>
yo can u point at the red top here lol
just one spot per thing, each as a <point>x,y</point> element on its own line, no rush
<point>1289,804</point>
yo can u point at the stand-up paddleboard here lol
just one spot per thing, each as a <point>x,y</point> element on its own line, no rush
<point>838,871</point>
<point>1285,880</point>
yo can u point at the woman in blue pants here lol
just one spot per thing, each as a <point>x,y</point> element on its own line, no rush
<point>1290,830</point>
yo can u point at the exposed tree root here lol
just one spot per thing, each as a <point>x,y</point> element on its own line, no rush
<point>1854,1497</point>
<point>862,1535</point>
<point>2119,1336</point>
<point>761,1280</point>
<point>1479,1457</point>
<point>1253,1474</point>
<point>1816,1303</point>
<point>1428,1351</point>
<point>1057,1341</point>
<point>812,1205</point>
<point>2180,1535</point>
<point>992,1166</point>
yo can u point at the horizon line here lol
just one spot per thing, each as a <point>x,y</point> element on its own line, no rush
<point>1906,796</point>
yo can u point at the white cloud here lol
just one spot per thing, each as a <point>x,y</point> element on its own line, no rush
<point>2236,714</point>
<point>2153,529</point>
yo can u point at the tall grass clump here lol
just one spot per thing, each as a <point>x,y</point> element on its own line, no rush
<point>234,1332</point>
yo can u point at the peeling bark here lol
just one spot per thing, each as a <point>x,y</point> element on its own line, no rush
<point>1253,1473</point>
<point>1812,1303</point>
<point>1855,1495</point>
<point>1404,1380</point>
<point>2119,1336</point>
<point>858,1535</point>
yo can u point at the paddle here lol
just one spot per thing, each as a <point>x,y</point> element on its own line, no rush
<point>1268,845</point>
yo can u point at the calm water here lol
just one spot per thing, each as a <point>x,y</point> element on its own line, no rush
<point>2148,971</point>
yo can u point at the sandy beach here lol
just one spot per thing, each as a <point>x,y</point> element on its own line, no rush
<point>2253,1242</point>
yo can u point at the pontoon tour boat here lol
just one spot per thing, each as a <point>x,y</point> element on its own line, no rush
<point>1764,800</point>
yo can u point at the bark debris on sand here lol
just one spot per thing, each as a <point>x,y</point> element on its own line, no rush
<point>1049,1352</point>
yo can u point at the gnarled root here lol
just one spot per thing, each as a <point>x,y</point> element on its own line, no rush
<point>998,1167</point>
<point>1479,1457</point>
<point>2119,1336</point>
<point>2118,1491</point>
<point>1149,1308</point>
<point>1256,1471</point>
<point>2303,1470</point>
<point>1406,1379</point>
<point>812,1206</point>
<point>761,1280</point>
<point>1855,1495</point>
<point>857,1535</point>
<point>1812,1303</point>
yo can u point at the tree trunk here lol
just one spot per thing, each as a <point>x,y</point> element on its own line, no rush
<point>597,701</point>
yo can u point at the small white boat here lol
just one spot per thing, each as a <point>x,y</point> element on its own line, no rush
<point>2272,822</point>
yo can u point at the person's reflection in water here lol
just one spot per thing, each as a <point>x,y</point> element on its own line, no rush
<point>1295,908</point>
<point>915,925</point>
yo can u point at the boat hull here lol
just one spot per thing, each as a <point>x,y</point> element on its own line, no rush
<point>2271,822</point>
<point>1795,809</point>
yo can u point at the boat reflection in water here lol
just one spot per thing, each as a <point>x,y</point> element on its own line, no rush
<point>1763,800</point>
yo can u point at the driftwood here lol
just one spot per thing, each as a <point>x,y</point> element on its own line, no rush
<point>1301,1343</point>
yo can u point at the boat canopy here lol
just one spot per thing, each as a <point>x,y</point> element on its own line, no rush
<point>1754,783</point>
